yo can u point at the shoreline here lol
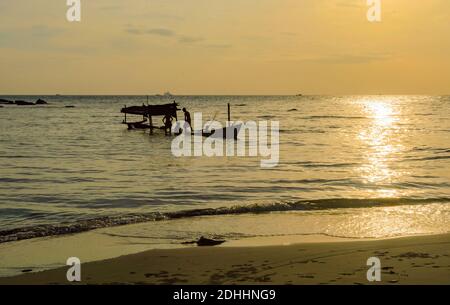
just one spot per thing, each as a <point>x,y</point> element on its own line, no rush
<point>111,221</point>
<point>421,259</point>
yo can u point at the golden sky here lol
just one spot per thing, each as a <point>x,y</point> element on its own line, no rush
<point>225,47</point>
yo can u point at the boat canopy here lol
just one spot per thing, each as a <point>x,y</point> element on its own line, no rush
<point>152,110</point>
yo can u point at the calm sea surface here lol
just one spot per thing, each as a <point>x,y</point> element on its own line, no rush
<point>382,161</point>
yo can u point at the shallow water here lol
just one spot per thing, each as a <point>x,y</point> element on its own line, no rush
<point>76,166</point>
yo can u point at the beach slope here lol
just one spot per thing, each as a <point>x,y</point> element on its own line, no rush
<point>409,260</point>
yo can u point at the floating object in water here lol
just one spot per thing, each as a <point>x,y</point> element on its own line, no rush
<point>202,242</point>
<point>293,109</point>
<point>41,102</point>
<point>69,106</point>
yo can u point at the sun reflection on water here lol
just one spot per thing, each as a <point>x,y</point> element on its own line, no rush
<point>381,146</point>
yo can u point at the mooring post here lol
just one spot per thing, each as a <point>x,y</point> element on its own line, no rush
<point>229,112</point>
<point>151,124</point>
<point>125,112</point>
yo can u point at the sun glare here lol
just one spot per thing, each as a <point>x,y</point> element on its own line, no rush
<point>381,145</point>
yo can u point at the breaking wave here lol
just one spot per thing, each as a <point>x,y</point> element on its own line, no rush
<point>302,205</point>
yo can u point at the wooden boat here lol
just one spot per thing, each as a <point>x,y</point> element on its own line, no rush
<point>138,125</point>
<point>148,112</point>
<point>152,110</point>
<point>230,132</point>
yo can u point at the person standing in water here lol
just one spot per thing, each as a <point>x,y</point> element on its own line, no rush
<point>187,117</point>
<point>167,120</point>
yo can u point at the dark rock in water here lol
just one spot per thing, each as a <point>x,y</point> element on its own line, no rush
<point>1,106</point>
<point>5,102</point>
<point>41,102</point>
<point>208,242</point>
<point>24,103</point>
<point>27,270</point>
<point>70,106</point>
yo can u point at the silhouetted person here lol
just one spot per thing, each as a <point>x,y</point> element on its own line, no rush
<point>187,117</point>
<point>167,120</point>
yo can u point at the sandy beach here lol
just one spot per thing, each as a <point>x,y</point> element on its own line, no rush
<point>408,260</point>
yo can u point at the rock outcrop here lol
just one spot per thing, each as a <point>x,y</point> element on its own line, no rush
<point>23,103</point>
<point>41,102</point>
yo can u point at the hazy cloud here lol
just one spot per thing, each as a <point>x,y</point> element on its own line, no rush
<point>35,36</point>
<point>184,39</point>
<point>349,58</point>
<point>158,31</point>
<point>189,39</point>
<point>351,4</point>
<point>218,46</point>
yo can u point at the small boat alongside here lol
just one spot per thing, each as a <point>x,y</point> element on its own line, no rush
<point>138,125</point>
<point>230,132</point>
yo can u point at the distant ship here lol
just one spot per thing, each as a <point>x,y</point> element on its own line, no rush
<point>167,94</point>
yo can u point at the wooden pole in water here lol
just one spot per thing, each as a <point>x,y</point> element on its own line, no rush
<point>151,125</point>
<point>150,121</point>
<point>125,120</point>
<point>229,122</point>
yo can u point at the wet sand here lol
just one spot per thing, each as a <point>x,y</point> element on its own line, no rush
<point>410,260</point>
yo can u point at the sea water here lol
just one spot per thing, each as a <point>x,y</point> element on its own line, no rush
<point>349,166</point>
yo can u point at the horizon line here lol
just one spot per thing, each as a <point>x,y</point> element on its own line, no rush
<point>185,95</point>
